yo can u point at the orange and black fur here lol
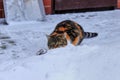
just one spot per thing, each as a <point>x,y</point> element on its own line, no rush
<point>68,31</point>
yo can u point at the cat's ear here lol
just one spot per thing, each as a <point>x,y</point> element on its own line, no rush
<point>47,36</point>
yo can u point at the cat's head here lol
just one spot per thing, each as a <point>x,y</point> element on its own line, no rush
<point>55,41</point>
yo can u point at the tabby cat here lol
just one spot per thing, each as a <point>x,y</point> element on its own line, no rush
<point>68,31</point>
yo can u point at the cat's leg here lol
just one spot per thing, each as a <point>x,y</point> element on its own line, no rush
<point>76,41</point>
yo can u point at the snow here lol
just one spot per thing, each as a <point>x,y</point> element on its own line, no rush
<point>23,10</point>
<point>95,59</point>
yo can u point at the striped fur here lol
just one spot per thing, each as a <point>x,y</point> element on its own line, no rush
<point>90,34</point>
<point>68,31</point>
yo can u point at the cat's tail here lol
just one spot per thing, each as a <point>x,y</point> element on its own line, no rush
<point>90,34</point>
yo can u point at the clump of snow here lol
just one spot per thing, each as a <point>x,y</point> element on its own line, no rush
<point>95,59</point>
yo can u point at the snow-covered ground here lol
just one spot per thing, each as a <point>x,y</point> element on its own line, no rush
<point>95,59</point>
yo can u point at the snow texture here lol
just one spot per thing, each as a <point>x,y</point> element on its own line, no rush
<point>95,59</point>
<point>23,10</point>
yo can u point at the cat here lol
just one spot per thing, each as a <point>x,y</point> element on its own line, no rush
<point>68,31</point>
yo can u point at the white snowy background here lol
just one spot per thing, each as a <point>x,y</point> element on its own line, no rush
<point>95,59</point>
<point>23,10</point>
